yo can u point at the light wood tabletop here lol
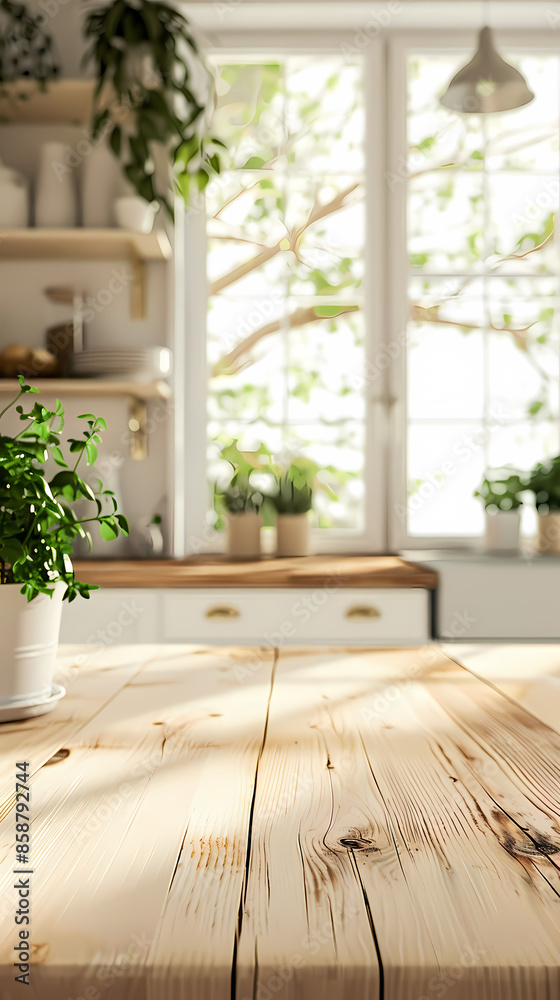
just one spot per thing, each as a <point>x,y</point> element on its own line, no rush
<point>247,823</point>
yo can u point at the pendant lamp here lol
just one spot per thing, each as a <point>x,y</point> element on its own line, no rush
<point>486,84</point>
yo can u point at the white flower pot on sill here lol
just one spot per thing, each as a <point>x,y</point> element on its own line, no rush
<point>548,538</point>
<point>293,536</point>
<point>244,535</point>
<point>28,645</point>
<point>502,530</point>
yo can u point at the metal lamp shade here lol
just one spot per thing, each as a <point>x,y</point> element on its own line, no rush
<point>487,83</point>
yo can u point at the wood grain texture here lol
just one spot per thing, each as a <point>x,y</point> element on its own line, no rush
<point>213,571</point>
<point>113,819</point>
<point>240,824</point>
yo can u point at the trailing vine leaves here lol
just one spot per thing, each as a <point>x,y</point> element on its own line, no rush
<point>38,525</point>
<point>26,49</point>
<point>146,57</point>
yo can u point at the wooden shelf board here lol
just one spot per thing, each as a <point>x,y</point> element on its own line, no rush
<point>66,387</point>
<point>65,102</point>
<point>84,244</point>
<point>215,571</point>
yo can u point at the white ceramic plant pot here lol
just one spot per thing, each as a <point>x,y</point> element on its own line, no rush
<point>28,642</point>
<point>244,535</point>
<point>56,204</point>
<point>502,530</point>
<point>293,536</point>
<point>135,214</point>
<point>548,538</point>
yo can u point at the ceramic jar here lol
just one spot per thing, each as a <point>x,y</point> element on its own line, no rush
<point>56,205</point>
<point>293,535</point>
<point>502,530</point>
<point>14,199</point>
<point>100,186</point>
<point>548,538</point>
<point>244,535</point>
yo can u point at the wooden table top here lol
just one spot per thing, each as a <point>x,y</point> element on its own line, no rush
<point>216,823</point>
<point>218,571</point>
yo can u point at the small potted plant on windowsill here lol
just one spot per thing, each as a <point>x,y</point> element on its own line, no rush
<point>244,521</point>
<point>38,528</point>
<point>500,493</point>
<point>292,503</point>
<point>544,482</point>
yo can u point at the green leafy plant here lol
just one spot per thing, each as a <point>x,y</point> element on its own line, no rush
<point>144,54</point>
<point>240,496</point>
<point>292,498</point>
<point>240,500</point>
<point>501,491</point>
<point>544,482</point>
<point>38,526</point>
<point>26,49</point>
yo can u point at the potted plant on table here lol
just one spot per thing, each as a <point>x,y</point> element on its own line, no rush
<point>500,493</point>
<point>38,527</point>
<point>544,482</point>
<point>292,503</point>
<point>244,521</point>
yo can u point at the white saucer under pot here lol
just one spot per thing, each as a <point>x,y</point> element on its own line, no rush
<point>18,711</point>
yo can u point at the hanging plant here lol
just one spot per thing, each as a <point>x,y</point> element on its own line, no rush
<point>146,60</point>
<point>26,49</point>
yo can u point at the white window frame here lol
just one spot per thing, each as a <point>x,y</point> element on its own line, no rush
<point>399,46</point>
<point>191,371</point>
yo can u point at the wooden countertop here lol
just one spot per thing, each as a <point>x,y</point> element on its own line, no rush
<point>215,571</point>
<point>299,823</point>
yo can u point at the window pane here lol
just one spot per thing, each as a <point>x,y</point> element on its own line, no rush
<point>483,336</point>
<point>286,230</point>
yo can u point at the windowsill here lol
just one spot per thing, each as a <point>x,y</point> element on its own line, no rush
<point>525,554</point>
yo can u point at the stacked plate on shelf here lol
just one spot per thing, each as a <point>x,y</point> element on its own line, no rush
<point>141,363</point>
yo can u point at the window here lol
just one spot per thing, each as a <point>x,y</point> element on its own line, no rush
<point>286,341</point>
<point>383,280</point>
<point>482,345</point>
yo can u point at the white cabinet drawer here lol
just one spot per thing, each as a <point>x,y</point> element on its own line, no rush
<point>281,616</point>
<point>112,616</point>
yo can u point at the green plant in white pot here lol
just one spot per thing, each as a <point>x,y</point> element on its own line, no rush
<point>154,96</point>
<point>544,482</point>
<point>500,491</point>
<point>292,503</point>
<point>244,521</point>
<point>38,528</point>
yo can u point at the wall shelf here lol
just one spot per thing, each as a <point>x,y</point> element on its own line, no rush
<point>65,102</point>
<point>145,391</point>
<point>139,394</point>
<point>84,244</point>
<point>91,244</point>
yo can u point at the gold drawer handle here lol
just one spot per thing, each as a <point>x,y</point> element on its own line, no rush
<point>223,611</point>
<point>363,612</point>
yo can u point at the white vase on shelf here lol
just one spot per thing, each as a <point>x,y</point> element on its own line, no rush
<point>100,186</point>
<point>56,203</point>
<point>14,199</point>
